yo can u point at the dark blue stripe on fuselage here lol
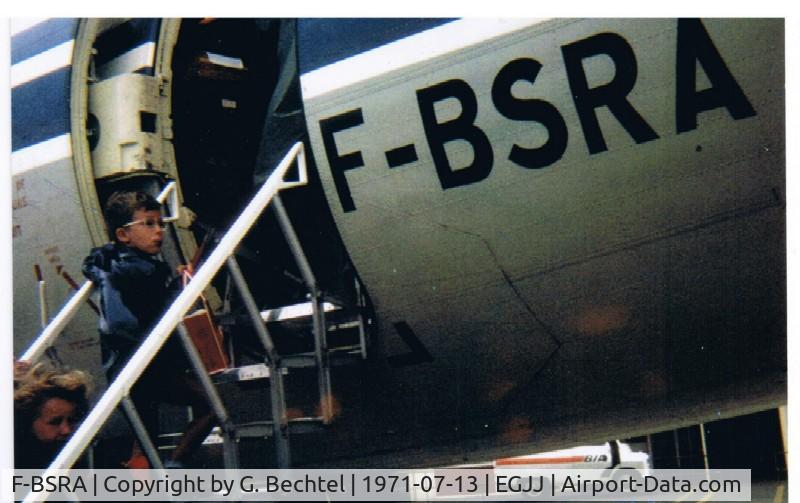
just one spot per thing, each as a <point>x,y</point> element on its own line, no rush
<point>324,41</point>
<point>41,37</point>
<point>40,109</point>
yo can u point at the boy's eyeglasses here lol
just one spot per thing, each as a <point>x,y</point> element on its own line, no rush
<point>150,223</point>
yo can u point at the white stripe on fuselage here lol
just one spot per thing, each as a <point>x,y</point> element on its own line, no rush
<point>138,57</point>
<point>40,154</point>
<point>43,63</point>
<point>415,48</point>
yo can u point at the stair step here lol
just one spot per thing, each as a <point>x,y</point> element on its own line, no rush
<point>336,357</point>
<point>345,355</point>
<point>295,311</point>
<point>299,316</point>
<point>244,373</point>
<point>263,429</point>
<point>301,360</point>
<point>252,429</point>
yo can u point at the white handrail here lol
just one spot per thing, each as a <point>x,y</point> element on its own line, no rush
<point>150,346</point>
<point>48,335</point>
<point>171,190</point>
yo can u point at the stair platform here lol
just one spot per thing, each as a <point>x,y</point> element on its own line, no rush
<point>243,373</point>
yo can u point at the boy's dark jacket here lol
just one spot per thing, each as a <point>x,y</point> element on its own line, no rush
<point>135,290</point>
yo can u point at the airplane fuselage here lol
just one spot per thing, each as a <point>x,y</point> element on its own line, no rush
<point>569,230</point>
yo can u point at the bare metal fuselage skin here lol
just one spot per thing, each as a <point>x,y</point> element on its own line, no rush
<point>570,230</point>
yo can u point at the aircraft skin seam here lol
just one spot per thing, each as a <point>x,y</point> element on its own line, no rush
<point>668,233</point>
<point>549,331</point>
<point>506,278</point>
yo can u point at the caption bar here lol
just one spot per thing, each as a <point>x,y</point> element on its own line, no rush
<point>379,485</point>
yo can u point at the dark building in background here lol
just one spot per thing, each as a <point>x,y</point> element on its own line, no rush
<point>750,442</point>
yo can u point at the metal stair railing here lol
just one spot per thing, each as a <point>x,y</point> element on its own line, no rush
<point>321,354</point>
<point>55,327</point>
<point>120,388</point>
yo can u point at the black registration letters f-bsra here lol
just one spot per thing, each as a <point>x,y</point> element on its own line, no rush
<point>461,128</point>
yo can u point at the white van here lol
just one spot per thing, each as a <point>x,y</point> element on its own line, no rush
<point>511,477</point>
<point>613,455</point>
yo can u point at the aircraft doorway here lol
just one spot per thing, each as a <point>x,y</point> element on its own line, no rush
<point>224,72</point>
<point>236,110</point>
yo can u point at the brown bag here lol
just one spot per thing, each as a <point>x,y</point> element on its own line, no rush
<point>206,335</point>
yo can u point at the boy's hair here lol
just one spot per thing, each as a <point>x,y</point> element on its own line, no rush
<point>121,205</point>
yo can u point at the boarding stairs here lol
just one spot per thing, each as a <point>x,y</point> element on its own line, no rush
<point>275,367</point>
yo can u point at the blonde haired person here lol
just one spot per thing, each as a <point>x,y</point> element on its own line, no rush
<point>48,405</point>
